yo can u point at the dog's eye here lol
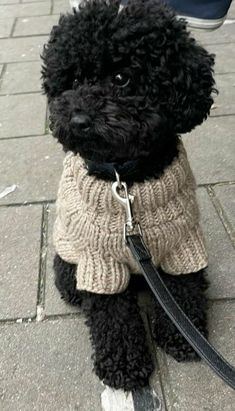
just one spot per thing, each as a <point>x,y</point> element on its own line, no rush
<point>75,83</point>
<point>121,79</point>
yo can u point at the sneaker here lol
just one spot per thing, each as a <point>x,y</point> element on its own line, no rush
<point>201,14</point>
<point>74,4</point>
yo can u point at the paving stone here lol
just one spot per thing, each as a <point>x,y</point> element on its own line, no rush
<point>54,304</point>
<point>226,196</point>
<point>211,148</point>
<point>6,2</point>
<point>28,26</point>
<point>220,250</point>
<point>225,101</point>
<point>225,34</point>
<point>224,62</point>
<point>22,115</point>
<point>193,386</point>
<point>61,6</point>
<point>24,10</point>
<point>21,49</point>
<point>34,164</point>
<point>231,13</point>
<point>5,27</point>
<point>47,366</point>
<point>13,80</point>
<point>19,245</point>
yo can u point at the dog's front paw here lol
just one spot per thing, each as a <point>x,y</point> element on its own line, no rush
<point>124,368</point>
<point>121,356</point>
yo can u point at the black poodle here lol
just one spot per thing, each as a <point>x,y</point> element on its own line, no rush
<point>122,85</point>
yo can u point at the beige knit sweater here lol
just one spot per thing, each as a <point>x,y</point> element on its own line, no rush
<point>89,225</point>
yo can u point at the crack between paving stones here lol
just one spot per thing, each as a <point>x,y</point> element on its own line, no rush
<point>222,43</point>
<point>33,319</point>
<point>21,62</point>
<point>219,183</point>
<point>12,4</point>
<point>221,73</point>
<point>221,300</point>
<point>27,15</point>
<point>47,121</point>
<point>26,36</point>
<point>13,27</point>
<point>152,346</point>
<point>23,93</point>
<point>21,320</point>
<point>52,7</point>
<point>3,71</point>
<point>164,379</point>
<point>29,203</point>
<point>224,73</point>
<point>222,115</point>
<point>28,136</point>
<point>42,264</point>
<point>222,214</point>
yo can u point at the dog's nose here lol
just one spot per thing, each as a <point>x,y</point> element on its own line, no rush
<point>80,121</point>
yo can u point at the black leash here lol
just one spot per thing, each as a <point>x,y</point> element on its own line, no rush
<point>178,317</point>
<point>141,254</point>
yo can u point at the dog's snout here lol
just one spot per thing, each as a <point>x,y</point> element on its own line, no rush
<point>80,121</point>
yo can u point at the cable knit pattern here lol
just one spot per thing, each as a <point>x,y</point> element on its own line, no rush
<point>89,225</point>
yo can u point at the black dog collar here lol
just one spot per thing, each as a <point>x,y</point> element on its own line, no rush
<point>106,171</point>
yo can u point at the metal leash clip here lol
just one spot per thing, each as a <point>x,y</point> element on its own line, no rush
<point>126,201</point>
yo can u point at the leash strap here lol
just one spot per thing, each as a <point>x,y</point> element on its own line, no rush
<point>141,254</point>
<point>204,349</point>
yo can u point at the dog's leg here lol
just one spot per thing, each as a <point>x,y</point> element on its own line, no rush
<point>65,281</point>
<point>189,291</point>
<point>121,357</point>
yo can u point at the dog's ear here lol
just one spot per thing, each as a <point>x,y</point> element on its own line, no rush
<point>75,45</point>
<point>180,71</point>
<point>57,60</point>
<point>192,86</point>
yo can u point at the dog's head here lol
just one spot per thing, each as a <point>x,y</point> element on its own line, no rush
<point>121,83</point>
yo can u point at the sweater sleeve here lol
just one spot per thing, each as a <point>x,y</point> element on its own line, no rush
<point>65,242</point>
<point>189,256</point>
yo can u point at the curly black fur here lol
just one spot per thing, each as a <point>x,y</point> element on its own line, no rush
<point>65,281</point>
<point>141,80</point>
<point>169,81</point>
<point>189,292</point>
<point>121,356</point>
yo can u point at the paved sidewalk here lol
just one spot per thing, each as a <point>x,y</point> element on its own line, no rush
<point>44,345</point>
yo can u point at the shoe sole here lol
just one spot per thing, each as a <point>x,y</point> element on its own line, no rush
<point>203,24</point>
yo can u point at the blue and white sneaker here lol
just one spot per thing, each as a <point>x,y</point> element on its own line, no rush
<point>74,3</point>
<point>201,14</point>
